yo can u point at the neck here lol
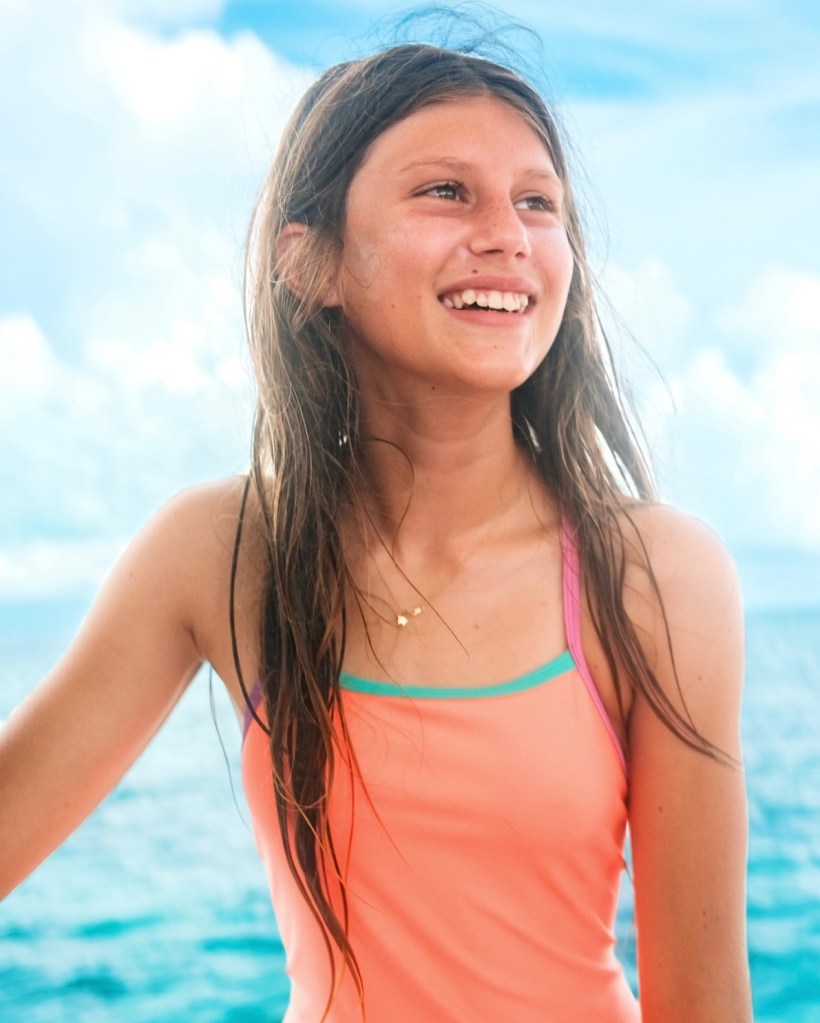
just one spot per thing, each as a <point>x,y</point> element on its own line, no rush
<point>441,472</point>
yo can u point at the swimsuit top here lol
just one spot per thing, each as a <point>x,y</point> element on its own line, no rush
<point>481,841</point>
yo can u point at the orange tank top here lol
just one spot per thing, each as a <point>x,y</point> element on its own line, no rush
<point>482,848</point>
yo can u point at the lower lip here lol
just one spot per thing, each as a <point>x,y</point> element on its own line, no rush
<point>488,317</point>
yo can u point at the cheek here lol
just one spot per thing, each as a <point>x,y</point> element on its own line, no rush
<point>561,269</point>
<point>361,263</point>
<point>563,259</point>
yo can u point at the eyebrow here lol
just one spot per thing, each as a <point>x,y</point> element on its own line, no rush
<point>459,166</point>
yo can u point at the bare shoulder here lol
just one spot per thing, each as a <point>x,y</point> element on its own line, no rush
<point>683,596</point>
<point>192,540</point>
<point>201,522</point>
<point>199,516</point>
<point>673,536</point>
<point>678,565</point>
<point>175,551</point>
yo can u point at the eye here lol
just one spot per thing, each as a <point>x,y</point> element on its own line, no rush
<point>444,190</point>
<point>538,203</point>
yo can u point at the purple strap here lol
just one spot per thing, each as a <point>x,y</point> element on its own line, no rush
<point>255,697</point>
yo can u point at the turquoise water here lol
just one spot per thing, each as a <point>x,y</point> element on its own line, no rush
<point>156,909</point>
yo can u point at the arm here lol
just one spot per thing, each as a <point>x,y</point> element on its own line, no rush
<point>68,744</point>
<point>688,816</point>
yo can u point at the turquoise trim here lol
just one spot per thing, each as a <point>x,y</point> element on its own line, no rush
<point>557,666</point>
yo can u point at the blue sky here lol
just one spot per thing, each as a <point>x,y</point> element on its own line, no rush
<point>134,133</point>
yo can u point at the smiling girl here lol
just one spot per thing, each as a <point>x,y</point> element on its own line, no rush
<point>468,645</point>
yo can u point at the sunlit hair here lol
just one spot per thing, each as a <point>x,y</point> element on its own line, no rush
<point>308,458</point>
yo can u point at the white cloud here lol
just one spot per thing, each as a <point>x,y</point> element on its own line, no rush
<point>29,368</point>
<point>751,448</point>
<point>55,568</point>
<point>155,13</point>
<point>122,368</point>
<point>648,302</point>
<point>173,84</point>
<point>710,259</point>
<point>714,183</point>
<point>133,145</point>
<point>164,12</point>
<point>781,307</point>
<point>741,443</point>
<point>186,340</point>
<point>131,421</point>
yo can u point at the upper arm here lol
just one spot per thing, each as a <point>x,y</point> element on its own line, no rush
<point>687,810</point>
<point>74,736</point>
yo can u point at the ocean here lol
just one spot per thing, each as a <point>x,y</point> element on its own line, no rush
<point>156,908</point>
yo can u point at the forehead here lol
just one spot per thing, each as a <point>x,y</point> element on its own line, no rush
<point>456,131</point>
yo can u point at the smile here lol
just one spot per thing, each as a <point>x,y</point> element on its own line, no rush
<point>502,301</point>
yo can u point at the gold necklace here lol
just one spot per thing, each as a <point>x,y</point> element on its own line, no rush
<point>400,618</point>
<point>403,617</point>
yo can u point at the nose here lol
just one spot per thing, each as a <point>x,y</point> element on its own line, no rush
<point>498,228</point>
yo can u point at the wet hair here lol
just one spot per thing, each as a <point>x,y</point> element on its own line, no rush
<point>307,456</point>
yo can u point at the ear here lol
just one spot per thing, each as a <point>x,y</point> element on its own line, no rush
<point>297,259</point>
<point>289,245</point>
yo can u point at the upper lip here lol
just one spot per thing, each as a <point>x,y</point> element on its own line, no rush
<point>517,285</point>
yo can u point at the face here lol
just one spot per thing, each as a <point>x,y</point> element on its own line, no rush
<point>455,262</point>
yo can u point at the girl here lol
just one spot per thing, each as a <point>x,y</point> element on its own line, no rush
<point>469,645</point>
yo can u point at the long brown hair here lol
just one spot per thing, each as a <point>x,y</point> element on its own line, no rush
<point>307,452</point>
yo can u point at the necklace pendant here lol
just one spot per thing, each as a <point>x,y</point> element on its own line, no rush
<point>403,617</point>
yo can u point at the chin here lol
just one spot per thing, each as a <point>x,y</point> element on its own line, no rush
<point>493,382</point>
<point>503,375</point>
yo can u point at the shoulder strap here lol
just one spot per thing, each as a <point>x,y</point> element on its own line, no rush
<point>571,572</point>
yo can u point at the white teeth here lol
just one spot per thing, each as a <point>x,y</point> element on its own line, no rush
<point>509,301</point>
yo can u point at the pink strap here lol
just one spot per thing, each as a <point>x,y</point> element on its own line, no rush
<point>572,626</point>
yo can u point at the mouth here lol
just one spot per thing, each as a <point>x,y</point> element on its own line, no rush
<point>513,303</point>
